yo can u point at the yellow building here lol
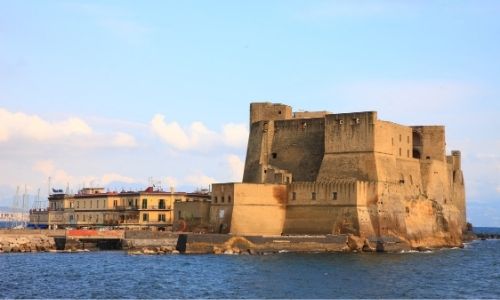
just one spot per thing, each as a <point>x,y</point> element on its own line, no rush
<point>96,207</point>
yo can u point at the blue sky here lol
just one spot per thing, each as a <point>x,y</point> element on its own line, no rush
<point>116,92</point>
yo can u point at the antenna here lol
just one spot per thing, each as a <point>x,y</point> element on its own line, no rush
<point>49,186</point>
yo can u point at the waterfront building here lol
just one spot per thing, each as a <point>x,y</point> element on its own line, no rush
<point>95,207</point>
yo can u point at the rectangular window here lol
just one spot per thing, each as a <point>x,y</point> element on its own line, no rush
<point>399,151</point>
<point>145,217</point>
<point>91,203</point>
<point>115,203</point>
<point>215,199</point>
<point>294,196</point>
<point>161,218</point>
<point>313,196</point>
<point>161,204</point>
<point>334,196</point>
<point>144,203</point>
<point>222,199</point>
<point>228,199</point>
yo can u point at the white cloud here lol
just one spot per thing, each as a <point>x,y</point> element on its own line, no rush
<point>114,177</point>
<point>122,139</point>
<point>198,136</point>
<point>200,180</point>
<point>235,135</point>
<point>48,169</point>
<point>171,182</point>
<point>35,128</point>
<point>237,167</point>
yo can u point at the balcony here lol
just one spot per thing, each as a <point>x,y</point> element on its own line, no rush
<point>126,207</point>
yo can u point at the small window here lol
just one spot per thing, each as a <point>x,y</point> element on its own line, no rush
<point>222,199</point>
<point>399,151</point>
<point>427,157</point>
<point>228,199</point>
<point>407,210</point>
<point>161,218</point>
<point>400,137</point>
<point>144,203</point>
<point>180,214</point>
<point>294,196</point>
<point>313,196</point>
<point>279,112</point>
<point>145,217</point>
<point>215,199</point>
<point>77,204</point>
<point>265,171</point>
<point>334,196</point>
<point>407,153</point>
<point>275,155</point>
<point>355,121</point>
<point>161,204</point>
<point>341,122</point>
<point>304,125</point>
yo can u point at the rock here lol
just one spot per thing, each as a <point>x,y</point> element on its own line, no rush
<point>367,247</point>
<point>148,251</point>
<point>136,252</point>
<point>175,252</point>
<point>355,243</point>
<point>217,250</point>
<point>229,252</point>
<point>423,249</point>
<point>251,252</point>
<point>236,250</point>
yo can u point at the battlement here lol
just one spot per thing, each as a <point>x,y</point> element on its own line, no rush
<point>269,111</point>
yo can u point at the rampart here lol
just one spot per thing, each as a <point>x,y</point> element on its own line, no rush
<point>387,179</point>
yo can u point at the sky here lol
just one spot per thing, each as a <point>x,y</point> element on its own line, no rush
<point>123,94</point>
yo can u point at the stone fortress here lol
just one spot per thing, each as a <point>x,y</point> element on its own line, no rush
<point>316,173</point>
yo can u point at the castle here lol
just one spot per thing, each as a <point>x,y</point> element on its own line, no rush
<point>346,173</point>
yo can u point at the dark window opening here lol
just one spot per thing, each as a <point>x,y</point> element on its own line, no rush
<point>294,196</point>
<point>144,203</point>
<point>222,199</point>
<point>265,171</point>
<point>215,199</point>
<point>407,210</point>
<point>180,214</point>
<point>313,196</point>
<point>275,155</point>
<point>161,204</point>
<point>416,154</point>
<point>427,157</point>
<point>334,195</point>
<point>145,217</point>
<point>228,199</point>
<point>279,112</point>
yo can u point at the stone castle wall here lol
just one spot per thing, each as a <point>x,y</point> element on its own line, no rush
<point>402,182</point>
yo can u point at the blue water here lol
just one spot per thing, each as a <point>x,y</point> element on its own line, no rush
<point>473,272</point>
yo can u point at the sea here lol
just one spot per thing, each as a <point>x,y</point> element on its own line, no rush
<point>471,272</point>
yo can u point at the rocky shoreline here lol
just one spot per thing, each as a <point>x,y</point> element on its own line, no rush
<point>26,243</point>
<point>162,243</point>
